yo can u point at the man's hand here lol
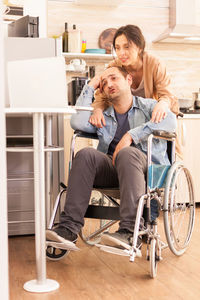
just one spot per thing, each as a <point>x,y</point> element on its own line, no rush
<point>125,141</point>
<point>97,118</point>
<point>95,82</point>
<point>159,112</point>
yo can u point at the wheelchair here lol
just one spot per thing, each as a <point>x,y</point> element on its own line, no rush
<point>170,186</point>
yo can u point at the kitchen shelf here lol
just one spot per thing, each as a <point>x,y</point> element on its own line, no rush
<point>89,56</point>
<point>31,149</point>
<point>20,178</point>
<point>19,136</point>
<point>74,72</point>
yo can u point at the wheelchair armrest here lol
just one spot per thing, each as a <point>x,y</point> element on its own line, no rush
<point>84,134</point>
<point>164,134</point>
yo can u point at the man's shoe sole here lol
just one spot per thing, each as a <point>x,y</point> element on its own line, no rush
<point>52,236</point>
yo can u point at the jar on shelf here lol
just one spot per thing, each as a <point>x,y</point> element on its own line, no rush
<point>83,48</point>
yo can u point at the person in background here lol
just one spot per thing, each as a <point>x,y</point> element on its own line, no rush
<point>119,161</point>
<point>149,77</point>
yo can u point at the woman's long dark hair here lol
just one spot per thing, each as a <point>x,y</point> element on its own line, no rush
<point>133,34</point>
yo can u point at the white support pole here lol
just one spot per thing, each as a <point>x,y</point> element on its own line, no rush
<point>39,175</point>
<point>49,169</point>
<point>3,177</point>
<point>41,284</point>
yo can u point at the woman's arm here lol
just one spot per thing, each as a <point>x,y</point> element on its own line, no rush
<point>97,118</point>
<point>161,82</point>
<point>142,132</point>
<point>160,89</point>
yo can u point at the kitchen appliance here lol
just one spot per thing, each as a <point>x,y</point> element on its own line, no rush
<point>24,27</point>
<point>74,88</point>
<point>182,23</point>
<point>186,103</point>
<point>190,106</point>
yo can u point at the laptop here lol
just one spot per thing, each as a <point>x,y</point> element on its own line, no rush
<point>37,83</point>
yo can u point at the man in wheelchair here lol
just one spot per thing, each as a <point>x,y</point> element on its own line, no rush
<point>119,161</point>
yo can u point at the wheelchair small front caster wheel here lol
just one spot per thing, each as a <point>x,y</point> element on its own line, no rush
<point>153,258</point>
<point>53,253</point>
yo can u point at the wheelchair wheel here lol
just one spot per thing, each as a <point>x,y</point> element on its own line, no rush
<point>153,258</point>
<point>93,228</point>
<point>179,208</point>
<point>53,253</point>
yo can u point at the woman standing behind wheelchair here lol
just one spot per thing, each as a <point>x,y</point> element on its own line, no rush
<point>150,79</point>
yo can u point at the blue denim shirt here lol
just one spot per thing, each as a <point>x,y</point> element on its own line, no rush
<point>139,116</point>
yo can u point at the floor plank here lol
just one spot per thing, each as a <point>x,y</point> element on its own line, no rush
<point>93,274</point>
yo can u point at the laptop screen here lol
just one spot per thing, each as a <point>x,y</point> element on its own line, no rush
<point>37,83</point>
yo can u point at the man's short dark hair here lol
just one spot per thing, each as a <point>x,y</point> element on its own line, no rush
<point>122,70</point>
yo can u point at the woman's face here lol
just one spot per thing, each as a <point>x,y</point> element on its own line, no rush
<point>127,52</point>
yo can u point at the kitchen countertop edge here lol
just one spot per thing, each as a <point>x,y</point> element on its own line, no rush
<point>191,116</point>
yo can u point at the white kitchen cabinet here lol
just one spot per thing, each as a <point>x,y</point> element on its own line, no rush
<point>20,176</point>
<point>189,131</point>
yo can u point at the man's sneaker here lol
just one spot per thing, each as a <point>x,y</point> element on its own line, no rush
<point>121,238</point>
<point>61,235</point>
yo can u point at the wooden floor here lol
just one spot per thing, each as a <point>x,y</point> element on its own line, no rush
<point>93,274</point>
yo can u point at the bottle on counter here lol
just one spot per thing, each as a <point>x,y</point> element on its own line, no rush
<point>91,71</point>
<point>74,42</point>
<point>83,48</point>
<point>65,38</point>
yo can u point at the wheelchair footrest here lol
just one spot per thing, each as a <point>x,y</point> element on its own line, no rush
<point>118,251</point>
<point>62,246</point>
<point>113,250</point>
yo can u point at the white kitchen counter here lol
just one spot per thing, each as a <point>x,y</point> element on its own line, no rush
<point>191,116</point>
<point>31,110</point>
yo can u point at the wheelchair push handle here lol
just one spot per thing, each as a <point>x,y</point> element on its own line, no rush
<point>63,185</point>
